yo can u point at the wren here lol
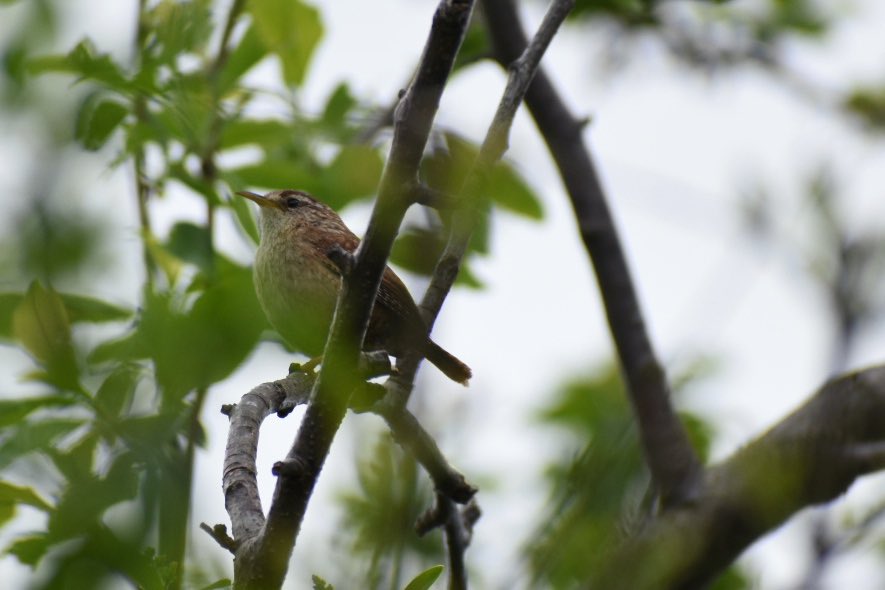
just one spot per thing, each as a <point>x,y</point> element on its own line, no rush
<point>297,284</point>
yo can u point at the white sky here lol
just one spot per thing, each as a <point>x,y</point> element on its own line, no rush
<point>674,151</point>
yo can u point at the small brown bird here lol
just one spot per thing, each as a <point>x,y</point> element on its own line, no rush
<point>297,284</point>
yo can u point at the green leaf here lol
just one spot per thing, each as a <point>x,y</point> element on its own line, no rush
<point>271,174</point>
<point>87,497</point>
<point>248,52</point>
<point>475,46</point>
<point>265,133</point>
<point>868,105</point>
<point>79,309</point>
<point>117,389</point>
<point>35,436</point>
<point>41,324</point>
<point>14,410</point>
<point>340,102</point>
<point>191,243</point>
<point>354,173</point>
<point>425,579</point>
<point>85,62</point>
<point>321,584</point>
<point>417,250</point>
<point>509,191</point>
<point>97,120</point>
<point>446,169</point>
<point>290,28</point>
<point>194,348</point>
<point>8,303</point>
<point>127,348</point>
<point>222,583</point>
<point>96,311</point>
<point>13,494</point>
<point>178,27</point>
<point>245,217</point>
<point>31,549</point>
<point>198,185</point>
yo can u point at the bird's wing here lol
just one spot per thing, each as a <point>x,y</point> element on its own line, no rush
<point>325,242</point>
<point>393,293</point>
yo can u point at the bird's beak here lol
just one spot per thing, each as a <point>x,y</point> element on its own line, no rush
<point>261,200</point>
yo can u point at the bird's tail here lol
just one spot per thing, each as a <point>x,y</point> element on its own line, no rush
<point>448,364</point>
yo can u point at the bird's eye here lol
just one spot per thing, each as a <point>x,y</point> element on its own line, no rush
<point>292,202</point>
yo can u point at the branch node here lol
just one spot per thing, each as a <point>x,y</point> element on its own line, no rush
<point>341,258</point>
<point>289,467</point>
<point>433,198</point>
<point>434,517</point>
<point>470,515</point>
<point>366,397</point>
<point>374,364</point>
<point>227,409</point>
<point>219,533</point>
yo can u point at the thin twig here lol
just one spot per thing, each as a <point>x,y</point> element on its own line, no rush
<point>674,465</point>
<point>467,217</point>
<point>466,220</point>
<point>142,186</point>
<point>219,533</point>
<point>409,433</point>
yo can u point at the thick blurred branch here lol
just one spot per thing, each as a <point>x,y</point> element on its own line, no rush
<point>673,463</point>
<point>810,457</point>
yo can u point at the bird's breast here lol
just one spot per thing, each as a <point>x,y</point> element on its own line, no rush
<point>297,290</point>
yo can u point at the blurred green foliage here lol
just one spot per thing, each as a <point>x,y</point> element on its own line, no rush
<point>378,520</point>
<point>118,420</point>
<point>599,485</point>
<point>103,451</point>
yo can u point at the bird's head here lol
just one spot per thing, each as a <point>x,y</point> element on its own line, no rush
<point>288,207</point>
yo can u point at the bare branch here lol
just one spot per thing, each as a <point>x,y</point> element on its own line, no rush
<point>467,217</point>
<point>239,480</point>
<point>409,433</point>
<point>674,465</point>
<point>430,197</point>
<point>458,525</point>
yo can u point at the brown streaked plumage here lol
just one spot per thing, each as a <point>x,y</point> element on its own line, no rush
<point>297,284</point>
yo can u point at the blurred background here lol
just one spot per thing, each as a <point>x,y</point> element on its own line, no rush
<point>740,144</point>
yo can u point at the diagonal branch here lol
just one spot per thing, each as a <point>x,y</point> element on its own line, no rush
<point>467,217</point>
<point>456,523</point>
<point>674,465</point>
<point>299,471</point>
<point>809,458</point>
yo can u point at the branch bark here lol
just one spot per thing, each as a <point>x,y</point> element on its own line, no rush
<point>298,472</point>
<point>810,457</point>
<point>673,463</point>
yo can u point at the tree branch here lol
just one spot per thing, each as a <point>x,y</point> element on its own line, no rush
<point>807,459</point>
<point>409,434</point>
<point>465,220</point>
<point>674,465</point>
<point>458,525</point>
<point>280,397</point>
<point>467,216</point>
<point>338,377</point>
